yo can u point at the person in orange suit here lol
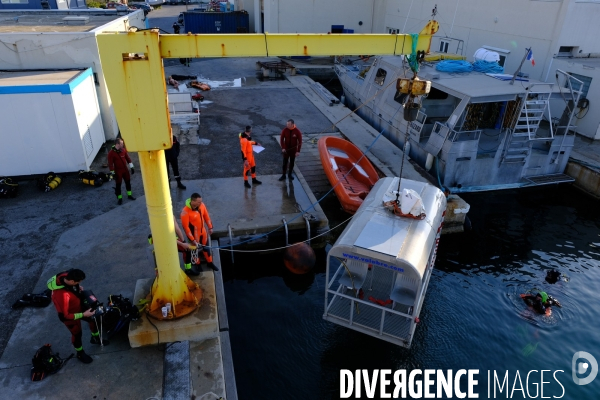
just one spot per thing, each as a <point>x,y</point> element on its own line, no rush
<point>246,143</point>
<point>194,217</point>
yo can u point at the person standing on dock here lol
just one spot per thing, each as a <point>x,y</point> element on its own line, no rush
<point>120,164</point>
<point>193,217</point>
<point>291,143</point>
<point>171,156</point>
<point>246,144</point>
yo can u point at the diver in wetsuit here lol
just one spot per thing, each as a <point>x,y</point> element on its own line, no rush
<point>540,302</point>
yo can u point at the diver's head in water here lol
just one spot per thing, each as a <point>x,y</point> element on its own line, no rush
<point>543,296</point>
<point>552,276</point>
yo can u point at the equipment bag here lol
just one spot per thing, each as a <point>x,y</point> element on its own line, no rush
<point>8,188</point>
<point>119,312</point>
<point>34,300</point>
<point>46,362</point>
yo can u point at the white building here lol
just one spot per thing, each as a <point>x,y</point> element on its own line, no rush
<point>49,39</point>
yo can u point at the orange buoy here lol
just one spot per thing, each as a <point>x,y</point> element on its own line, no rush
<point>299,258</point>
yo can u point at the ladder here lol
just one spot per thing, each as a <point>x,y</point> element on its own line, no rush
<point>532,111</point>
<point>517,148</point>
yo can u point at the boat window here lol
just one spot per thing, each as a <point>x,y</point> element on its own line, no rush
<point>436,94</point>
<point>444,46</point>
<point>400,97</point>
<point>587,81</point>
<point>380,76</point>
<point>566,51</point>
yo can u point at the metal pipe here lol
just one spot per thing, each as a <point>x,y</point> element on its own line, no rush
<point>307,228</point>
<point>230,241</point>
<point>286,231</point>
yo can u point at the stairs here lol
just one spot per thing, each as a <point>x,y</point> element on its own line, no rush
<point>518,148</point>
<point>534,103</point>
<point>532,112</point>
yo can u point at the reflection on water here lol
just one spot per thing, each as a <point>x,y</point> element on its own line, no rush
<point>472,317</point>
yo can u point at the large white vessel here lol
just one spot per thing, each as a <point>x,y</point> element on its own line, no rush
<point>474,131</point>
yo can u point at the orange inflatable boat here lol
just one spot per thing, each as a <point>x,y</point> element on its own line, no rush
<point>351,185</point>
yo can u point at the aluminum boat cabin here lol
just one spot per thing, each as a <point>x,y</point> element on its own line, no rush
<point>379,268</point>
<point>485,133</point>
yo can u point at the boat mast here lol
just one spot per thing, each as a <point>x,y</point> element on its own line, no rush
<point>512,82</point>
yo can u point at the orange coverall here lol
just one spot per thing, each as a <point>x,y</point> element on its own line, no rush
<point>248,155</point>
<point>193,224</point>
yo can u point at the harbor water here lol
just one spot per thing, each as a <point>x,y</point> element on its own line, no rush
<point>472,318</point>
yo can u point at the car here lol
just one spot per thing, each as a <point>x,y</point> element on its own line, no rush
<point>116,6</point>
<point>142,6</point>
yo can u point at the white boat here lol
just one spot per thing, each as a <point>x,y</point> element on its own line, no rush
<point>485,132</point>
<point>379,268</point>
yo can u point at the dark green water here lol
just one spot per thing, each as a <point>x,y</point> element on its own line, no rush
<point>472,317</point>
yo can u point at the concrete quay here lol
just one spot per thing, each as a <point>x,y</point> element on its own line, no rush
<point>110,248</point>
<point>584,165</point>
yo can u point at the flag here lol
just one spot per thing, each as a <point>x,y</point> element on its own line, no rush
<point>530,57</point>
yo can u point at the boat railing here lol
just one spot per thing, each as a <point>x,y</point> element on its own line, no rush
<point>464,136</point>
<point>452,135</point>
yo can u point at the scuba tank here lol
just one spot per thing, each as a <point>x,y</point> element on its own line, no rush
<point>90,178</point>
<point>49,182</point>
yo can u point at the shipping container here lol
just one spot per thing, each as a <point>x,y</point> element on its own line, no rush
<point>50,121</point>
<point>216,22</point>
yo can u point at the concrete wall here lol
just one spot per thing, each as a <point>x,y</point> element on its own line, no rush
<point>86,111</point>
<point>581,28</point>
<point>317,16</point>
<point>66,50</point>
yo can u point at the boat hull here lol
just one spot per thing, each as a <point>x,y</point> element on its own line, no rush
<point>350,173</point>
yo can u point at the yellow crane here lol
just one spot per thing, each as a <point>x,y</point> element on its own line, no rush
<point>133,68</point>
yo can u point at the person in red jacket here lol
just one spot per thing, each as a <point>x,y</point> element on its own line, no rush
<point>66,293</point>
<point>120,164</point>
<point>291,143</point>
<point>193,218</point>
<point>246,143</point>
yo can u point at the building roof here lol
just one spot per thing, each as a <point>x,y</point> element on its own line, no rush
<point>54,20</point>
<point>36,78</point>
<point>59,81</point>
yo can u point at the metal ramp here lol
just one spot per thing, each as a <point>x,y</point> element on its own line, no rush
<point>532,111</point>
<point>549,179</point>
